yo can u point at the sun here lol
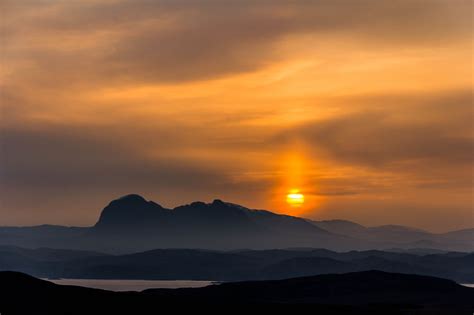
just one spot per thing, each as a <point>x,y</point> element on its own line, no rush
<point>294,198</point>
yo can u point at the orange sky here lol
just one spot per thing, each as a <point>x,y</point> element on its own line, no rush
<point>365,107</point>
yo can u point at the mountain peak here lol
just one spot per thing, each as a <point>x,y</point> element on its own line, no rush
<point>131,198</point>
<point>218,202</point>
<point>129,209</point>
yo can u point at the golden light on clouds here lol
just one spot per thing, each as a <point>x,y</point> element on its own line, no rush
<point>296,182</point>
<point>241,101</point>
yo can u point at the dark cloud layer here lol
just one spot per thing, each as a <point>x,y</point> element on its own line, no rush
<point>437,130</point>
<point>169,41</point>
<point>58,157</point>
<point>53,168</point>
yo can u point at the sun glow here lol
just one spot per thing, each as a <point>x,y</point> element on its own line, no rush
<point>295,198</point>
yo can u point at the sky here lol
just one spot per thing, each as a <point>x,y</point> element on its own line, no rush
<point>363,107</point>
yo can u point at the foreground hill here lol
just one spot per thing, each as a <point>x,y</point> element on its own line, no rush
<point>131,224</point>
<point>193,264</point>
<point>370,292</point>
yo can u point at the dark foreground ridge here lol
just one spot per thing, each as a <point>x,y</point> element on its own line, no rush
<point>370,292</point>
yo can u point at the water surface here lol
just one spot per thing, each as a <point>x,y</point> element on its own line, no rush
<point>131,285</point>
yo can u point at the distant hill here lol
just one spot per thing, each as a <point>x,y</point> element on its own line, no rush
<point>405,237</point>
<point>193,264</point>
<point>370,292</point>
<point>131,224</point>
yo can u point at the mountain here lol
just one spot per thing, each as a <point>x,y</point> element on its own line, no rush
<point>132,224</point>
<point>174,264</point>
<point>370,292</point>
<point>41,236</point>
<point>139,225</point>
<point>49,254</point>
<point>400,236</point>
<point>131,213</point>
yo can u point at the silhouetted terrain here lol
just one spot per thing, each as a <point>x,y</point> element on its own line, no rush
<point>192,264</point>
<point>132,224</point>
<point>396,234</point>
<point>370,292</point>
<point>121,246</point>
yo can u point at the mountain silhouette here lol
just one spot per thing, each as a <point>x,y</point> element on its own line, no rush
<point>139,224</point>
<point>134,212</point>
<point>131,224</point>
<point>370,292</point>
<point>455,240</point>
<point>237,265</point>
<point>131,211</point>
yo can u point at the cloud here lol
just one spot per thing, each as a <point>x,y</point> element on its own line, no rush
<point>173,41</point>
<point>48,168</point>
<point>75,157</point>
<point>102,98</point>
<point>432,129</point>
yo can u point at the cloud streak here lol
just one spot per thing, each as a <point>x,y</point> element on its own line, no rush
<point>423,133</point>
<point>170,41</point>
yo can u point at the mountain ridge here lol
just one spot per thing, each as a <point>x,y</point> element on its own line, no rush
<point>240,265</point>
<point>131,224</point>
<point>369,292</point>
